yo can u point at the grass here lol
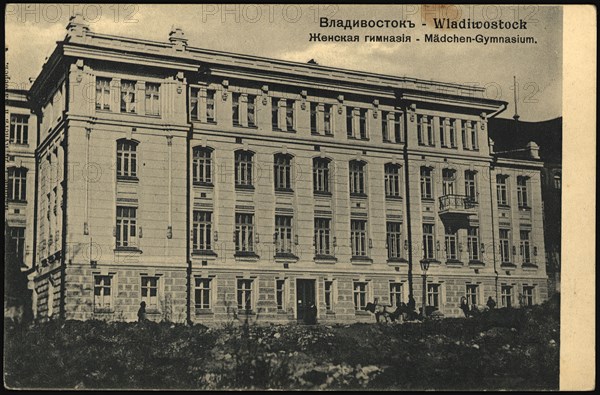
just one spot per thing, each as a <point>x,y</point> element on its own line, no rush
<point>501,349</point>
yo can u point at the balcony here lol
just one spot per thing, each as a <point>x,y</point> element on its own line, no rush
<point>457,206</point>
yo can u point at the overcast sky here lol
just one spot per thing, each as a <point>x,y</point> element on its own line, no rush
<point>283,32</point>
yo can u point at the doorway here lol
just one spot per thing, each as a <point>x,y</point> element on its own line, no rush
<point>306,301</point>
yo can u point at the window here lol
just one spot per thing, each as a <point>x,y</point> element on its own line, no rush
<point>275,113</point>
<point>202,165</point>
<point>451,238</point>
<point>210,105</point>
<point>349,122</point>
<point>251,111</point>
<point>150,291</point>
<point>442,130</point>
<point>283,234</point>
<point>471,185</point>
<point>474,140</point>
<point>472,294</point>
<point>126,159</point>
<point>321,175</point>
<point>522,196</point>
<point>358,235</point>
<point>289,115</point>
<point>392,180</point>
<point>194,104</point>
<point>420,125</point>
<point>152,99</point>
<point>19,129</point>
<point>463,133</point>
<point>322,236</point>
<point>428,241</point>
<point>235,108</point>
<point>243,168</point>
<point>557,181</point>
<point>102,93</point>
<point>126,227</point>
<point>399,127</point>
<point>429,132</point>
<point>506,291</point>
<point>527,295</point>
<point>426,183</point>
<point>473,243</point>
<point>244,294</point>
<point>504,246</point>
<point>17,243</point>
<point>128,96</point>
<point>313,118</point>
<point>283,172</point>
<point>202,231</point>
<point>327,120</point>
<point>525,246</point>
<point>452,133</point>
<point>202,290</point>
<point>433,295</point>
<point>357,177</point>
<point>362,123</point>
<point>448,180</point>
<point>395,294</point>
<point>360,295</point>
<point>501,189</point>
<point>394,240</point>
<point>329,295</point>
<point>102,292</point>
<point>17,184</point>
<point>280,294</point>
<point>385,129</point>
<point>244,233</point>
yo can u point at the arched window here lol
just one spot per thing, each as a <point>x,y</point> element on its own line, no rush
<point>17,183</point>
<point>282,168</point>
<point>127,158</point>
<point>321,175</point>
<point>357,177</point>
<point>243,168</point>
<point>202,165</point>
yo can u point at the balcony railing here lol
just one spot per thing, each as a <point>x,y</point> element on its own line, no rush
<point>457,204</point>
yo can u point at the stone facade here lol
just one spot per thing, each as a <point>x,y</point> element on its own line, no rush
<point>193,180</point>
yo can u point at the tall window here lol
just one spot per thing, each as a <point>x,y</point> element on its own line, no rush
<point>244,232</point>
<point>506,292</point>
<point>194,104</point>
<point>275,113</point>
<point>202,292</point>
<point>394,240</point>
<point>102,292</point>
<point>280,294</point>
<point>243,168</point>
<point>202,165</point>
<point>19,129</point>
<point>321,175</point>
<point>502,189</point>
<point>128,96</point>
<point>522,193</point>
<point>126,227</point>
<point>17,184</point>
<point>473,243</point>
<point>244,294</point>
<point>329,294</point>
<point>327,120</point>
<point>358,235</point>
<point>528,295</point>
<point>433,295</point>
<point>289,114</point>
<point>202,231</point>
<point>17,243</point>
<point>313,118</point>
<point>471,185</point>
<point>428,242</point>
<point>557,181</point>
<point>322,236</point>
<point>283,234</point>
<point>452,133</point>
<point>235,108</point>
<point>474,140</point>
<point>126,159</point>
<point>283,171</point>
<point>362,123</point>
<point>442,131</point>
<point>210,105</point>
<point>504,246</point>
<point>399,127</point>
<point>102,93</point>
<point>451,238</point>
<point>251,110</point>
<point>349,121</point>
<point>472,291</point>
<point>385,129</point>
<point>152,99</point>
<point>429,132</point>
<point>426,183</point>
<point>150,291</point>
<point>360,295</point>
<point>463,134</point>
<point>396,294</point>
<point>525,246</point>
<point>392,180</point>
<point>357,177</point>
<point>448,181</point>
<point>420,129</point>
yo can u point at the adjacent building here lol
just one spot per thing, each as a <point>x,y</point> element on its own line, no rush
<point>210,185</point>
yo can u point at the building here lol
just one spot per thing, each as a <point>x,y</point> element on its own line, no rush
<point>210,184</point>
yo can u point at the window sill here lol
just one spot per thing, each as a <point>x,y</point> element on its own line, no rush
<point>128,249</point>
<point>325,259</point>
<point>204,312</point>
<point>428,199</point>
<point>239,125</point>
<point>508,265</point>
<point>203,184</point>
<point>504,206</point>
<point>245,187</point>
<point>524,208</point>
<point>530,266</point>
<point>200,253</point>
<point>16,201</point>
<point>454,262</point>
<point>476,263</point>
<point>358,195</point>
<point>285,257</point>
<point>322,193</point>
<point>246,255</point>
<point>361,260</point>
<point>128,178</point>
<point>392,261</point>
<point>19,145</point>
<point>246,312</point>
<point>393,198</point>
<point>284,191</point>
<point>431,260</point>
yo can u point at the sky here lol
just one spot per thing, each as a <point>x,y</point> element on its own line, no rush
<point>283,32</point>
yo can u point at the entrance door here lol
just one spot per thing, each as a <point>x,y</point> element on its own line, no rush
<point>305,297</point>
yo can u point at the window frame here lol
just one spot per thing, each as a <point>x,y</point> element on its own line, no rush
<point>203,293</point>
<point>321,175</point>
<point>127,159</point>
<point>202,224</point>
<point>126,225</point>
<point>153,98</point>
<point>19,129</point>
<point>392,181</point>
<point>148,287</point>
<point>357,172</point>
<point>360,291</point>
<point>245,294</point>
<point>128,89</point>
<point>244,233</point>
<point>101,296</point>
<point>17,184</point>
<point>202,165</point>
<point>283,172</point>
<point>359,238</point>
<point>244,169</point>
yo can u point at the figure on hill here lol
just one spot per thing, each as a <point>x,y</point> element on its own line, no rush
<point>142,312</point>
<point>491,303</point>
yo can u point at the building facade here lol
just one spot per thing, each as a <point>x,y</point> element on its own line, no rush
<point>211,185</point>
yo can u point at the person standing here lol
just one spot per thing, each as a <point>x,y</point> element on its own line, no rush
<point>464,306</point>
<point>491,303</point>
<point>142,312</point>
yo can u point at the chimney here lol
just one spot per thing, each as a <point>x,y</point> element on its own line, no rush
<point>534,150</point>
<point>177,39</point>
<point>77,27</point>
